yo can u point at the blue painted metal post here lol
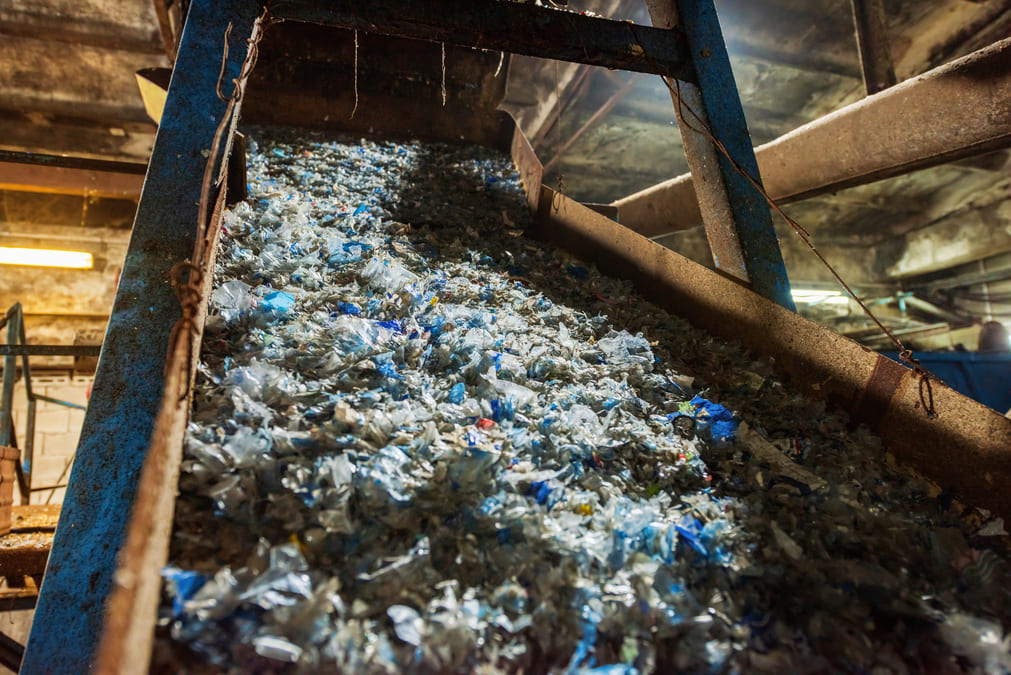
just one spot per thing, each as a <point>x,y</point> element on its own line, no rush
<point>739,224</point>
<point>11,321</point>
<point>128,383</point>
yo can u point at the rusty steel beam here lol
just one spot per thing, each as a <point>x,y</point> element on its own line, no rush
<point>955,111</point>
<point>519,28</point>
<point>712,201</point>
<point>873,45</point>
<point>33,172</point>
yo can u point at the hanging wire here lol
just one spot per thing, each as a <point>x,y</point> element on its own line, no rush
<point>443,74</point>
<point>187,277</point>
<point>355,109</point>
<point>700,127</point>
<point>559,144</point>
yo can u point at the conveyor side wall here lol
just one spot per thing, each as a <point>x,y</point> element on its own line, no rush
<point>966,448</point>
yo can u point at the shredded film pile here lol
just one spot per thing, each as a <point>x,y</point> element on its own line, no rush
<point>422,442</point>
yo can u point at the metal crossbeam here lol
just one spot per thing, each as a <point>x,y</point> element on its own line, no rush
<point>873,45</point>
<point>518,28</point>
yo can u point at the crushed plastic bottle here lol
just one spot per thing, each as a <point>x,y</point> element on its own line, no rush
<point>421,443</point>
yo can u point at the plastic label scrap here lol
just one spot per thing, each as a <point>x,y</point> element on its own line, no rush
<point>714,420</point>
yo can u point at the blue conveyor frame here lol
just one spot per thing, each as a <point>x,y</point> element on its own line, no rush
<point>130,377</point>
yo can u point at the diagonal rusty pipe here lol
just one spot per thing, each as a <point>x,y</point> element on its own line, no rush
<point>955,111</point>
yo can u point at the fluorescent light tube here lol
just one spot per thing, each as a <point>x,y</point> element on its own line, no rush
<point>43,257</point>
<point>820,297</point>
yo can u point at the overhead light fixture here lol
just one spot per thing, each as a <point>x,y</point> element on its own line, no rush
<point>815,296</point>
<point>44,257</point>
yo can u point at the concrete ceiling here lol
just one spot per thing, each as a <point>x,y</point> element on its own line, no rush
<point>67,87</point>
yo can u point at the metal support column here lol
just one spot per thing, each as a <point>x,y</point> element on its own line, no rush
<point>10,369</point>
<point>129,380</point>
<point>737,218</point>
<point>873,44</point>
<point>28,455</point>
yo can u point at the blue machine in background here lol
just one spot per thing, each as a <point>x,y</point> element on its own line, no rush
<point>983,377</point>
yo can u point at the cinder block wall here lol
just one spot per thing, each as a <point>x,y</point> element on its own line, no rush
<point>57,429</point>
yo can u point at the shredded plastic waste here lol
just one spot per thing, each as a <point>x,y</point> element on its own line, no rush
<point>421,442</point>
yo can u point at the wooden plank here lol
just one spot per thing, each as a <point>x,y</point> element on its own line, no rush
<point>36,172</point>
<point>77,30</point>
<point>25,550</point>
<point>35,517</point>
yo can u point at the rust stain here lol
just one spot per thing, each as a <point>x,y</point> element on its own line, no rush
<point>884,382</point>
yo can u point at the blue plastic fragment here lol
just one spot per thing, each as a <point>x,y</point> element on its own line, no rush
<point>589,621</point>
<point>389,370</point>
<point>577,271</point>
<point>278,302</point>
<point>710,539</point>
<point>362,208</point>
<point>457,393</point>
<point>541,491</point>
<point>502,409</point>
<point>186,585</point>
<point>393,325</point>
<point>349,308</point>
<point>690,530</point>
<point>712,420</point>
